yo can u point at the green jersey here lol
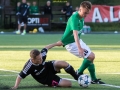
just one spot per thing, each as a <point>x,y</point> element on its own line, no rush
<point>34,9</point>
<point>74,23</point>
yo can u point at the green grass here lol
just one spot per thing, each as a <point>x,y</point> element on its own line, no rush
<point>14,52</point>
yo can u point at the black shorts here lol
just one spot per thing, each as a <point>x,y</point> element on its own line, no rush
<point>22,19</point>
<point>51,79</point>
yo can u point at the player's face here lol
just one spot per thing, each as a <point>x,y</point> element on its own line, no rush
<point>18,4</point>
<point>83,12</point>
<point>48,3</point>
<point>38,59</point>
<point>67,4</point>
<point>24,1</point>
<point>34,3</point>
<point>28,4</point>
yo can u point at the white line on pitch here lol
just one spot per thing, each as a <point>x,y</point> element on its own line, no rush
<point>8,75</point>
<point>114,86</point>
<point>57,74</point>
<point>110,85</point>
<point>9,70</point>
<point>64,78</point>
<point>69,79</point>
<point>111,73</point>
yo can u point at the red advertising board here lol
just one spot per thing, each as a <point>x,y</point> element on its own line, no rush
<point>103,13</point>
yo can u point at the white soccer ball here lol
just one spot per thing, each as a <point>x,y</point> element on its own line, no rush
<point>84,80</point>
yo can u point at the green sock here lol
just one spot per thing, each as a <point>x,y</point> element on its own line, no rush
<point>91,69</point>
<point>84,65</point>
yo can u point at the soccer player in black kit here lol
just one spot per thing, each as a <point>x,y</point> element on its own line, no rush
<point>45,72</point>
<point>23,12</point>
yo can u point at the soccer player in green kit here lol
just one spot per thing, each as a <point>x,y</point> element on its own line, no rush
<point>74,44</point>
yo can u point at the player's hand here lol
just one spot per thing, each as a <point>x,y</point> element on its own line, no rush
<point>64,12</point>
<point>81,52</point>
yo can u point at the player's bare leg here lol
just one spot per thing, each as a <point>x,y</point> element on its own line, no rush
<point>67,67</point>
<point>65,83</point>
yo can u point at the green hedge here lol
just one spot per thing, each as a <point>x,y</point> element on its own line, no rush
<point>115,26</point>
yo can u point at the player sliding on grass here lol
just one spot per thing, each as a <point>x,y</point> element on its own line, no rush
<point>72,42</point>
<point>45,72</point>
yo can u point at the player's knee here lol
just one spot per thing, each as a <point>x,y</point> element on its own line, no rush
<point>91,57</point>
<point>65,83</point>
<point>60,64</point>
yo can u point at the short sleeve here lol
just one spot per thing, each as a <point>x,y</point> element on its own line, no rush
<point>26,70</point>
<point>22,75</point>
<point>74,24</point>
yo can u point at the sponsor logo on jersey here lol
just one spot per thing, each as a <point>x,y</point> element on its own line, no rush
<point>35,71</point>
<point>38,73</point>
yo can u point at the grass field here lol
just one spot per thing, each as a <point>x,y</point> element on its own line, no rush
<point>14,52</point>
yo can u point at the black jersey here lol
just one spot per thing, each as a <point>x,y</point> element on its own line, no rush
<point>23,9</point>
<point>47,9</point>
<point>37,71</point>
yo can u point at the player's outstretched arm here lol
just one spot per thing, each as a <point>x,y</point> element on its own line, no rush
<point>80,50</point>
<point>59,43</point>
<point>18,80</point>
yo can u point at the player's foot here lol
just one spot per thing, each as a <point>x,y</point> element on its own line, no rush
<point>97,81</point>
<point>23,33</point>
<point>18,32</point>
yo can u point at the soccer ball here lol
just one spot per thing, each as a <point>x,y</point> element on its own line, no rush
<point>84,80</point>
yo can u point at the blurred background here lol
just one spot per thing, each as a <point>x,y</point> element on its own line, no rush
<point>104,17</point>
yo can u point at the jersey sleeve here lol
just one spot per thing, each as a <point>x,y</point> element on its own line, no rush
<point>74,24</point>
<point>44,53</point>
<point>26,70</point>
<point>22,75</point>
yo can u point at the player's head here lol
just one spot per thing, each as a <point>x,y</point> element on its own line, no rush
<point>18,4</point>
<point>48,3</point>
<point>36,56</point>
<point>28,3</point>
<point>85,8</point>
<point>67,3</point>
<point>23,1</point>
<point>34,3</point>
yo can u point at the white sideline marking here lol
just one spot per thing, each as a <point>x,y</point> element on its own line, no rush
<point>114,86</point>
<point>57,74</point>
<point>98,73</point>
<point>112,73</point>
<point>69,79</point>
<point>8,75</point>
<point>9,70</point>
<point>63,78</point>
<point>110,85</point>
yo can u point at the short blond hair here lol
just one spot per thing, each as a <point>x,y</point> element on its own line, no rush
<point>86,4</point>
<point>34,53</point>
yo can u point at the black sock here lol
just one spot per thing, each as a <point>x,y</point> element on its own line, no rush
<point>71,71</point>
